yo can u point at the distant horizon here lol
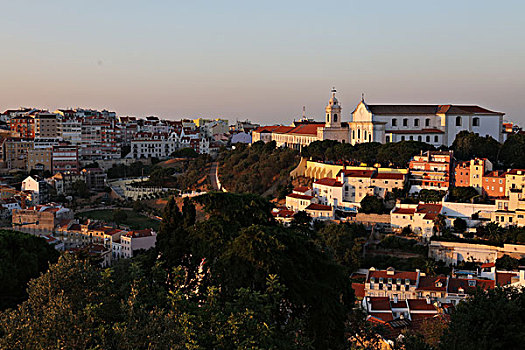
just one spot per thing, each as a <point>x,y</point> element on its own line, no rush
<point>319,118</point>
<point>261,61</point>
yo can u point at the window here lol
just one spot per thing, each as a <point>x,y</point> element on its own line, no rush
<point>405,122</point>
<point>335,118</point>
<point>387,139</point>
<point>436,138</point>
<point>458,121</point>
<point>394,122</point>
<point>427,122</point>
<point>428,138</point>
<point>419,138</point>
<point>416,122</point>
<point>475,121</point>
<point>402,138</point>
<point>358,133</point>
<point>411,138</point>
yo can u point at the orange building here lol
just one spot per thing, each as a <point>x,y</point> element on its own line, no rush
<point>494,183</point>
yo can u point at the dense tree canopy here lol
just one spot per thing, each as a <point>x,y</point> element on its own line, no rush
<point>258,168</point>
<point>468,145</point>
<point>372,205</point>
<point>396,154</point>
<point>22,257</point>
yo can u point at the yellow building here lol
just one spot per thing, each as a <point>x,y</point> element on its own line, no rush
<point>514,179</point>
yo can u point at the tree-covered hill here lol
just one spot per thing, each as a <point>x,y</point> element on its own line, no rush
<point>257,168</point>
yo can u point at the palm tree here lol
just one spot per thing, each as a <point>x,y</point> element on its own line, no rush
<point>440,223</point>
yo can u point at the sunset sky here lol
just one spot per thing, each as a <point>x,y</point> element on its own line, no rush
<point>261,60</point>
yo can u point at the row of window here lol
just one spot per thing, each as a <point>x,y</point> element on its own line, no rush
<point>419,138</point>
<point>459,122</point>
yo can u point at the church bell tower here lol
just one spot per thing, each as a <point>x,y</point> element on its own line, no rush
<point>333,112</point>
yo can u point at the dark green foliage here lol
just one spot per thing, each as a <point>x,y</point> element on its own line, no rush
<point>162,177</point>
<point>185,153</point>
<point>490,320</point>
<point>80,189</point>
<point>133,170</point>
<point>344,242</point>
<point>512,153</point>
<point>399,243</point>
<point>507,262</point>
<point>372,204</point>
<point>242,245</point>
<point>463,194</point>
<point>22,257</point>
<point>301,219</point>
<point>119,216</point>
<point>469,145</point>
<point>430,196</point>
<point>460,225</point>
<point>257,168</point>
<point>396,154</point>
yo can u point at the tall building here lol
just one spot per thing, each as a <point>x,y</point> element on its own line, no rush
<point>431,171</point>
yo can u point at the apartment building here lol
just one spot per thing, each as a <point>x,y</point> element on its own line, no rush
<point>419,218</point>
<point>514,179</point>
<point>300,198</point>
<point>40,159</point>
<point>134,241</point>
<point>22,126</point>
<point>46,125</point>
<point>431,170</point>
<point>15,152</point>
<point>40,219</point>
<point>65,158</point>
<point>148,145</point>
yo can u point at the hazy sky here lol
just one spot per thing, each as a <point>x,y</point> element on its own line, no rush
<point>261,60</point>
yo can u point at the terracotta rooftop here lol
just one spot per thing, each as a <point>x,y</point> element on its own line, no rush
<point>356,173</point>
<point>389,176</point>
<point>428,109</point>
<point>299,196</point>
<point>436,283</point>
<point>301,189</point>
<point>321,207</point>
<point>327,181</point>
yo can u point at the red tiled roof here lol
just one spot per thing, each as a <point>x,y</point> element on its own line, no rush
<point>515,171</point>
<point>380,303</point>
<point>420,304</point>
<point>429,283</point>
<point>383,316</point>
<point>427,109</point>
<point>306,129</point>
<point>356,173</point>
<point>423,131</point>
<point>328,181</point>
<point>301,189</point>
<point>486,265</point>
<point>321,207</point>
<point>408,211</point>
<point>283,213</point>
<point>412,276</point>
<point>420,316</point>
<point>359,290</point>
<point>299,196</point>
<point>431,210</point>
<point>455,283</point>
<point>389,176</point>
<point>268,128</point>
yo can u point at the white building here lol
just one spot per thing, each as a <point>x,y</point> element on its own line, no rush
<point>434,124</point>
<point>158,145</point>
<point>136,240</point>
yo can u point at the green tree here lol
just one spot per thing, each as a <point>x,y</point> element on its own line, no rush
<point>468,145</point>
<point>22,257</point>
<point>460,225</point>
<point>372,204</point>
<point>463,194</point>
<point>80,189</point>
<point>511,153</point>
<point>344,242</point>
<point>491,319</point>
<point>120,216</point>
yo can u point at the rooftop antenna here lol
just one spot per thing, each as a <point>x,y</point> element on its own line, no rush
<point>304,112</point>
<point>333,90</point>
<point>362,97</point>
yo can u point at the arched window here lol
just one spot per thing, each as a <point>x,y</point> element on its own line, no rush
<point>428,138</point>
<point>411,138</point>
<point>328,118</point>
<point>402,138</point>
<point>405,122</point>
<point>364,134</point>
<point>370,137</point>
<point>387,139</point>
<point>335,118</point>
<point>416,122</point>
<point>419,138</point>
<point>427,122</point>
<point>353,134</point>
<point>436,139</point>
<point>394,122</point>
<point>458,121</point>
<point>475,121</point>
<point>358,133</point>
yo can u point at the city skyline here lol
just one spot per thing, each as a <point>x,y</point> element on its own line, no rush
<point>138,59</point>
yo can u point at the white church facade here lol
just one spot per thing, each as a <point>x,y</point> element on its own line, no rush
<point>434,124</point>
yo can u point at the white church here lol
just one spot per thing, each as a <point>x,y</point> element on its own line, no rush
<point>433,124</point>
